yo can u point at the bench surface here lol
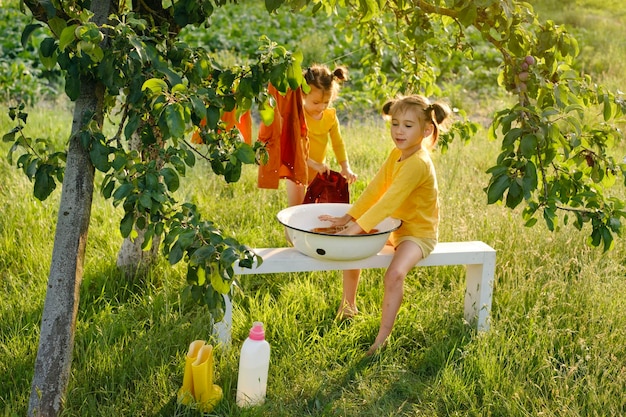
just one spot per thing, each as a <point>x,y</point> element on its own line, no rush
<point>277,260</point>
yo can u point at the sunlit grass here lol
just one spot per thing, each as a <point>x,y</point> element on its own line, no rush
<point>555,347</point>
<point>555,344</point>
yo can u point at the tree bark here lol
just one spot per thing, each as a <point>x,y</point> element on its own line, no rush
<point>131,257</point>
<point>58,324</point>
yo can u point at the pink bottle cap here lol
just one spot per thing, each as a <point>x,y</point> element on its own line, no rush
<point>257,332</point>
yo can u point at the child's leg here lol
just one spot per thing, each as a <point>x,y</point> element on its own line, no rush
<point>295,196</point>
<point>347,308</point>
<point>295,193</point>
<point>406,256</point>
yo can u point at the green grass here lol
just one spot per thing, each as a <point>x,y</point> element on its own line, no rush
<point>556,346</point>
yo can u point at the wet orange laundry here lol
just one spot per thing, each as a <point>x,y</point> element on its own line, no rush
<point>243,124</point>
<point>286,141</point>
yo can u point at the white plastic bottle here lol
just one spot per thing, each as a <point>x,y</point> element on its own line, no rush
<point>254,364</point>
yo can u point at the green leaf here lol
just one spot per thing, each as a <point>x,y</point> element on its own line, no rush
<point>511,136</point>
<point>232,172</point>
<point>607,111</point>
<point>107,190</point>
<point>246,154</point>
<point>57,25</point>
<point>72,86</point>
<point>212,117</point>
<point>145,200</point>
<point>175,119</point>
<point>171,179</point>
<point>497,187</point>
<point>294,75</point>
<point>531,222</point>
<point>123,191</point>
<point>267,114</point>
<point>218,283</point>
<point>530,180</point>
<point>126,224</point>
<point>201,276</point>
<point>199,108</point>
<point>176,254</point>
<point>202,256</point>
<point>155,85</point>
<point>99,155</point>
<point>548,216</point>
<point>514,195</point>
<point>132,125</point>
<point>273,5</point>
<point>28,30</point>
<point>369,10</point>
<point>10,137</point>
<point>468,15</point>
<point>44,184</point>
<point>190,158</point>
<point>67,37</point>
<point>147,238</point>
<point>48,62</point>
<point>528,145</point>
<point>607,238</point>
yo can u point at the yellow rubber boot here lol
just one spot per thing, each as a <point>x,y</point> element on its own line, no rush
<point>206,393</point>
<point>186,392</point>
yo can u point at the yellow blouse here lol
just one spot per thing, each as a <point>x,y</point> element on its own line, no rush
<point>319,133</point>
<point>406,190</point>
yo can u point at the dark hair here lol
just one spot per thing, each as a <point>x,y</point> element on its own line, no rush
<point>437,113</point>
<point>320,76</point>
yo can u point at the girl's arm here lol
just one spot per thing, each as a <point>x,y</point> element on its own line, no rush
<point>347,172</point>
<point>339,149</point>
<point>320,167</point>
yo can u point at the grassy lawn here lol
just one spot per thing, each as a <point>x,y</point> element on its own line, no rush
<point>556,347</point>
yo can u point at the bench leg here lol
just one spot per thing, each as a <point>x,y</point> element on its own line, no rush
<point>478,292</point>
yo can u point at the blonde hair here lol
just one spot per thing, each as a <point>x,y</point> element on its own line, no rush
<point>320,76</point>
<point>436,113</point>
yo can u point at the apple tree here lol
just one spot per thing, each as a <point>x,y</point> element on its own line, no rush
<point>122,60</point>
<point>558,134</point>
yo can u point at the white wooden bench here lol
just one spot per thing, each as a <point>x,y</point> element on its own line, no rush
<point>478,257</point>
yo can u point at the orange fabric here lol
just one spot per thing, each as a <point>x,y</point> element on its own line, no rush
<point>286,141</point>
<point>244,125</point>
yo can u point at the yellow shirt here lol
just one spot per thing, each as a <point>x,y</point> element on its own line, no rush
<point>406,190</point>
<point>319,133</point>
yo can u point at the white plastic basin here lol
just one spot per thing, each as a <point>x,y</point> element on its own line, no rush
<point>299,221</point>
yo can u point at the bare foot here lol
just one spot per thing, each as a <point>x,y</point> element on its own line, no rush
<point>346,311</point>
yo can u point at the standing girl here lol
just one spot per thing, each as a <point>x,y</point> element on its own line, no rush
<point>405,188</point>
<point>323,125</point>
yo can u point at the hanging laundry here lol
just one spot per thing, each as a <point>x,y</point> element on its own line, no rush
<point>243,123</point>
<point>286,141</point>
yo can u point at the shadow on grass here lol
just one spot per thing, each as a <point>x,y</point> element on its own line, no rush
<point>108,286</point>
<point>421,356</point>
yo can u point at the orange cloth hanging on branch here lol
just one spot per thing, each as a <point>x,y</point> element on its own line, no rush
<point>286,141</point>
<point>243,124</point>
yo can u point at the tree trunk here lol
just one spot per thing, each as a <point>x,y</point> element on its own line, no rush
<point>58,324</point>
<point>131,257</point>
